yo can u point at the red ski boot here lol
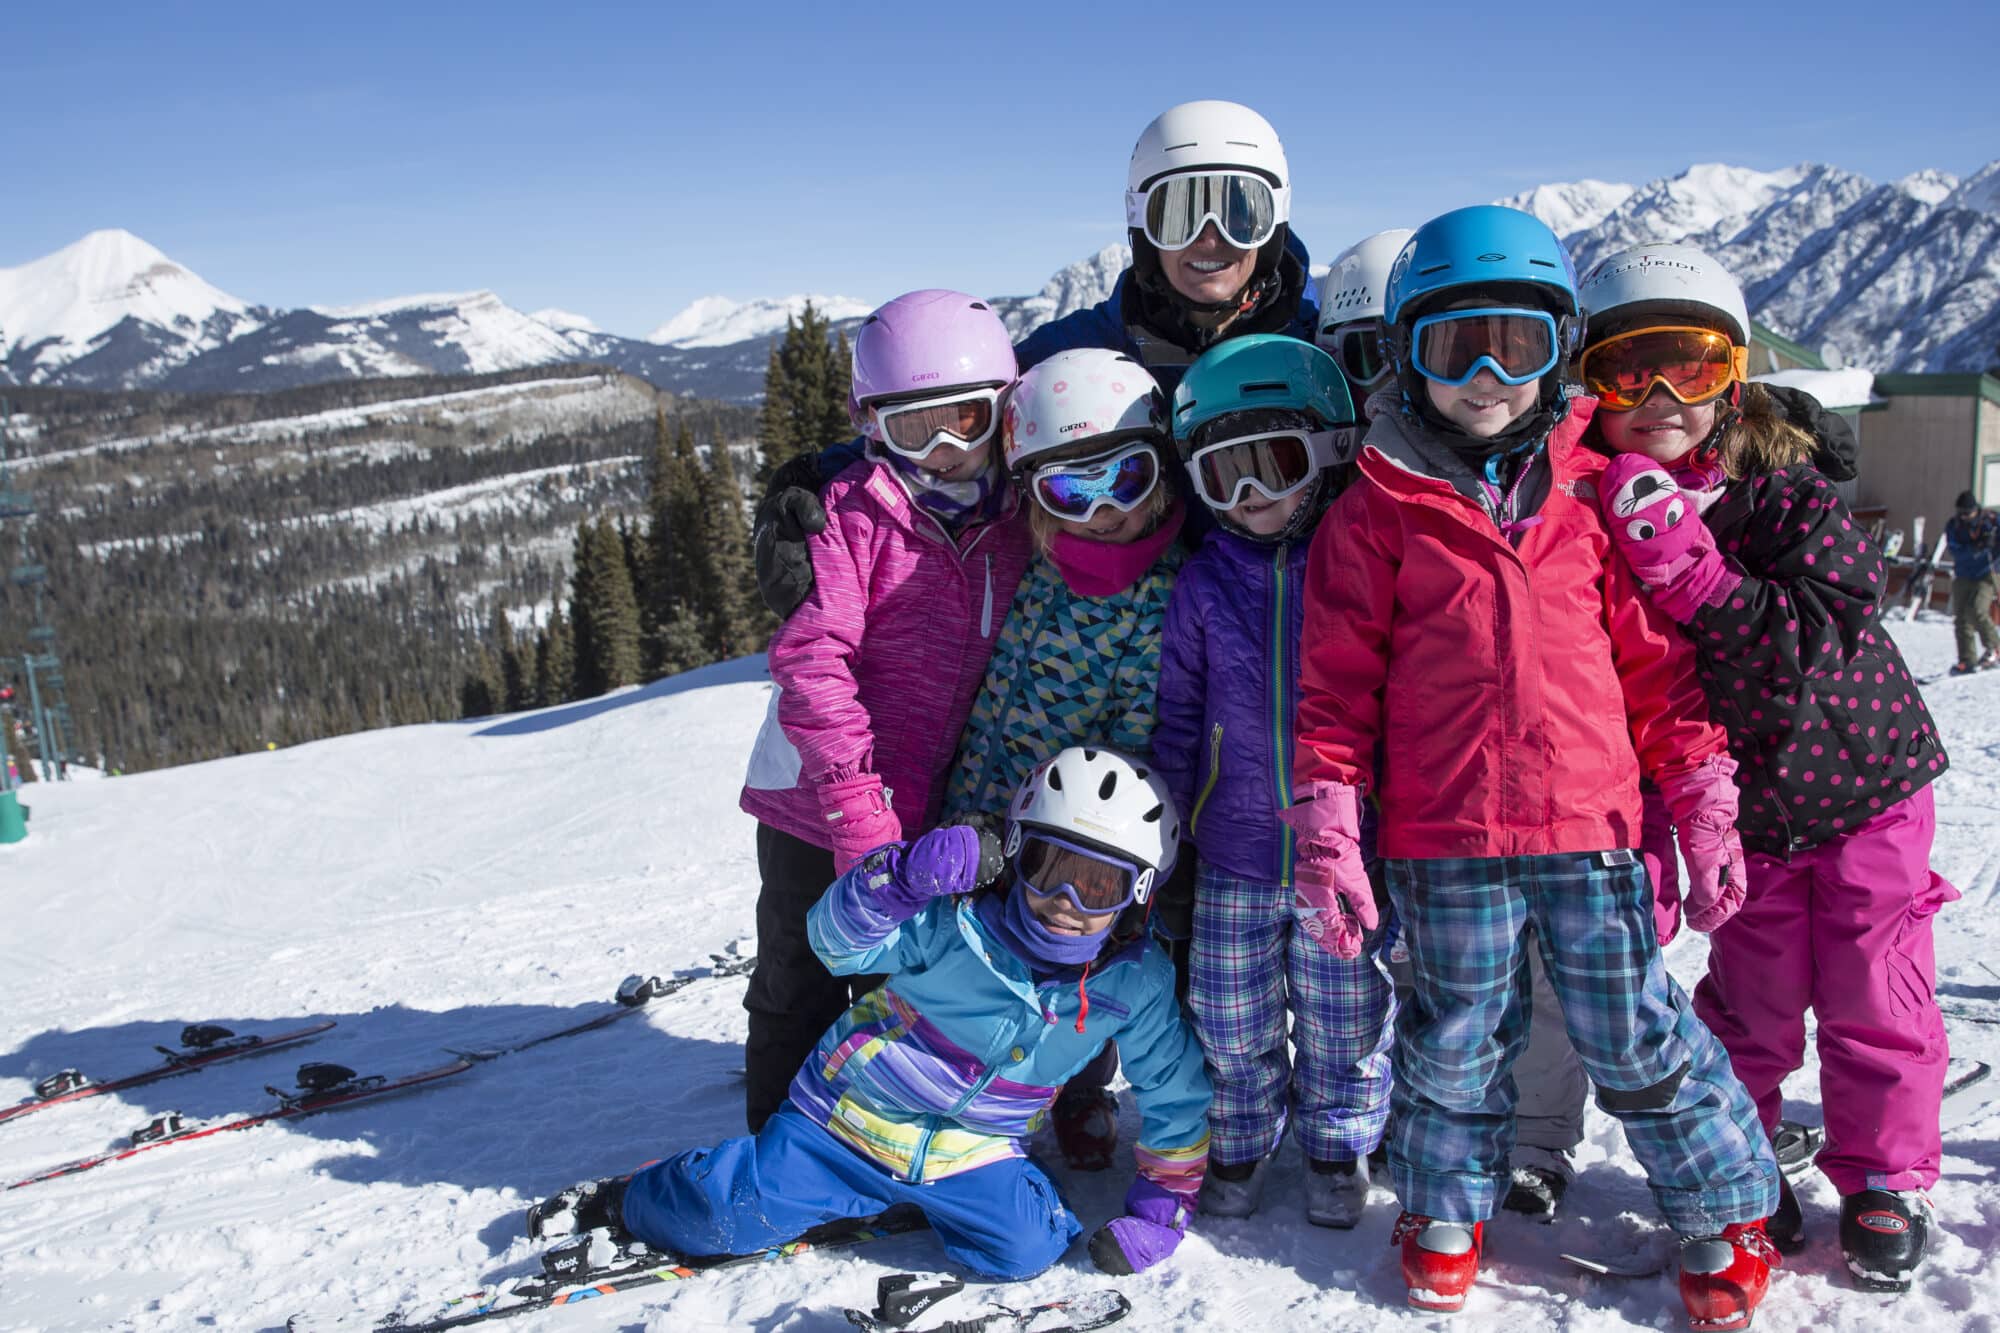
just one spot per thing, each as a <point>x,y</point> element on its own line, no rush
<point>1086,1126</point>
<point>1724,1277</point>
<point>1440,1259</point>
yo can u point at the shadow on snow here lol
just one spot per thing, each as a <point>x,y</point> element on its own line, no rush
<point>736,671</point>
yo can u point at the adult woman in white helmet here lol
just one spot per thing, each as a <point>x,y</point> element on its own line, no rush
<point>1350,310</point>
<point>1208,197</point>
<point>1208,209</point>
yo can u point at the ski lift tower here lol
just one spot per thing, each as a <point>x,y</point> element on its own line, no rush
<point>48,704</point>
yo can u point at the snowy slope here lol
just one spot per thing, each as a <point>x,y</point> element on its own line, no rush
<point>460,883</point>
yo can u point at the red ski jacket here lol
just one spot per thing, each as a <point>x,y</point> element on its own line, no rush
<point>1513,695</point>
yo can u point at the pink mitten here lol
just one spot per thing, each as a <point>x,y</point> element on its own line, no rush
<point>1662,537</point>
<point>1703,800</point>
<point>1332,898</point>
<point>858,818</point>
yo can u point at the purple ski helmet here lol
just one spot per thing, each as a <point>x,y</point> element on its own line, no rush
<point>928,341</point>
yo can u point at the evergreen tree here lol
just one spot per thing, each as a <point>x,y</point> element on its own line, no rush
<point>607,617</point>
<point>729,624</point>
<point>513,675</point>
<point>586,596</point>
<point>555,661</point>
<point>806,385</point>
<point>475,692</point>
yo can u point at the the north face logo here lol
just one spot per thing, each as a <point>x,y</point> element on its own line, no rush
<point>1579,489</point>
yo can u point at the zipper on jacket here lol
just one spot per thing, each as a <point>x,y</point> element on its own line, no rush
<point>1280,730</point>
<point>1214,772</point>
<point>986,606</point>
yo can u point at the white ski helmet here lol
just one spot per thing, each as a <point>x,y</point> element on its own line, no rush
<point>1663,280</point>
<point>1080,395</point>
<point>1105,800</point>
<point>1196,136</point>
<point>1353,288</point>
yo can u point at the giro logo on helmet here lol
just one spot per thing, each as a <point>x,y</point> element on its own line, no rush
<point>1491,258</point>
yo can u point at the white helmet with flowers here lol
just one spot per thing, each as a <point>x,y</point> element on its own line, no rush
<point>1104,803</point>
<point>1103,414</point>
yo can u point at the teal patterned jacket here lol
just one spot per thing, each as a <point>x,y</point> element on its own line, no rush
<point>1067,670</point>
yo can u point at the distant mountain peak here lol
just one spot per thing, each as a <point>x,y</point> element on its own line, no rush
<point>716,321</point>
<point>565,321</point>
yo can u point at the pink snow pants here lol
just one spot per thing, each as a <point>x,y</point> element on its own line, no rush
<point>1845,930</point>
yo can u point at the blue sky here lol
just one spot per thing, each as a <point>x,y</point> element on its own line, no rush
<point>620,161</point>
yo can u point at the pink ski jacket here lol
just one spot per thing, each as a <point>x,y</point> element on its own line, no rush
<point>1513,694</point>
<point>876,671</point>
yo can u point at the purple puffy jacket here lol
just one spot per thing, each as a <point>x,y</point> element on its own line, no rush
<point>1229,686</point>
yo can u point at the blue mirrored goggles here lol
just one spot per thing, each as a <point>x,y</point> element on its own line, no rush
<point>1122,480</point>
<point>1517,345</point>
<point>1093,881</point>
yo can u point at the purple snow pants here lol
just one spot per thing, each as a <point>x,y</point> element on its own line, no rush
<point>1845,930</point>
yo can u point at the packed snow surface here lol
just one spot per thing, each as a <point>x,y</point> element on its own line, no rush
<point>463,883</point>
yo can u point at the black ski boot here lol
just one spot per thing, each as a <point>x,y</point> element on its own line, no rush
<point>580,1208</point>
<point>1536,1191</point>
<point>1883,1234</point>
<point>1787,1226</point>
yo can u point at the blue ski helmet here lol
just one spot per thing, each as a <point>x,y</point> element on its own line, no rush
<point>1480,246</point>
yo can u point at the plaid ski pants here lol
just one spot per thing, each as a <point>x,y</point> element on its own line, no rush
<point>1249,968</point>
<point>1657,1068</point>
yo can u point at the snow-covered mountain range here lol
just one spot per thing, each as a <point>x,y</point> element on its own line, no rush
<point>1902,276</point>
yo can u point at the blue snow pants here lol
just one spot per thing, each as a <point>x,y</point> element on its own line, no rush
<point>1006,1221</point>
<point>1656,1067</point>
<point>1251,966</point>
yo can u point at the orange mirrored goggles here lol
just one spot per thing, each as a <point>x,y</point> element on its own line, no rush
<point>1693,364</point>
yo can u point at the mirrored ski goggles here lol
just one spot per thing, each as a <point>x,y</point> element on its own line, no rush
<point>1276,463</point>
<point>1172,212</point>
<point>1357,349</point>
<point>1093,881</point>
<point>1122,480</point>
<point>1693,364</point>
<point>915,429</point>
<point>1454,345</point>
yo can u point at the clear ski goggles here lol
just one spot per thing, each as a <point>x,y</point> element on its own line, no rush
<point>1172,211</point>
<point>1517,345</point>
<point>1692,363</point>
<point>1275,463</point>
<point>1092,880</point>
<point>1077,490</point>
<point>916,428</point>
<point>1357,349</point>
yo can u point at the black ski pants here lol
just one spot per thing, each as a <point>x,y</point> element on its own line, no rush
<point>792,998</point>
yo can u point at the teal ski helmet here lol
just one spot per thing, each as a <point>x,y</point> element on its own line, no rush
<point>1273,385</point>
<point>1510,253</point>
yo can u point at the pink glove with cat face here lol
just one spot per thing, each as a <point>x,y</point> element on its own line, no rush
<point>1662,537</point>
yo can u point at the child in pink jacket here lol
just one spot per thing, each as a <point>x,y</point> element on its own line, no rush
<point>876,672</point>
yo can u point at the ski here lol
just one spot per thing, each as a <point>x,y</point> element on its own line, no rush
<point>634,994</point>
<point>321,1087</point>
<point>1068,1314</point>
<point>622,1272</point>
<point>202,1045</point>
<point>1638,1264</point>
<point>1922,578</point>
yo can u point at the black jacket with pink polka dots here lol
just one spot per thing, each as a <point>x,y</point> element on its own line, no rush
<point>1826,723</point>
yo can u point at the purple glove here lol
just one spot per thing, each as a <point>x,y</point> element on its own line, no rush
<point>1332,898</point>
<point>1704,804</point>
<point>946,861</point>
<point>1149,1232</point>
<point>858,818</point>
<point>1663,539</point>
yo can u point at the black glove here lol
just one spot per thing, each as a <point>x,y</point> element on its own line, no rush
<point>789,513</point>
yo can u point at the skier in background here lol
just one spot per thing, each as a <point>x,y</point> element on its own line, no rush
<point>922,1093</point>
<point>1257,421</point>
<point>1973,536</point>
<point>924,539</point>
<point>1468,623</point>
<point>1736,536</point>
